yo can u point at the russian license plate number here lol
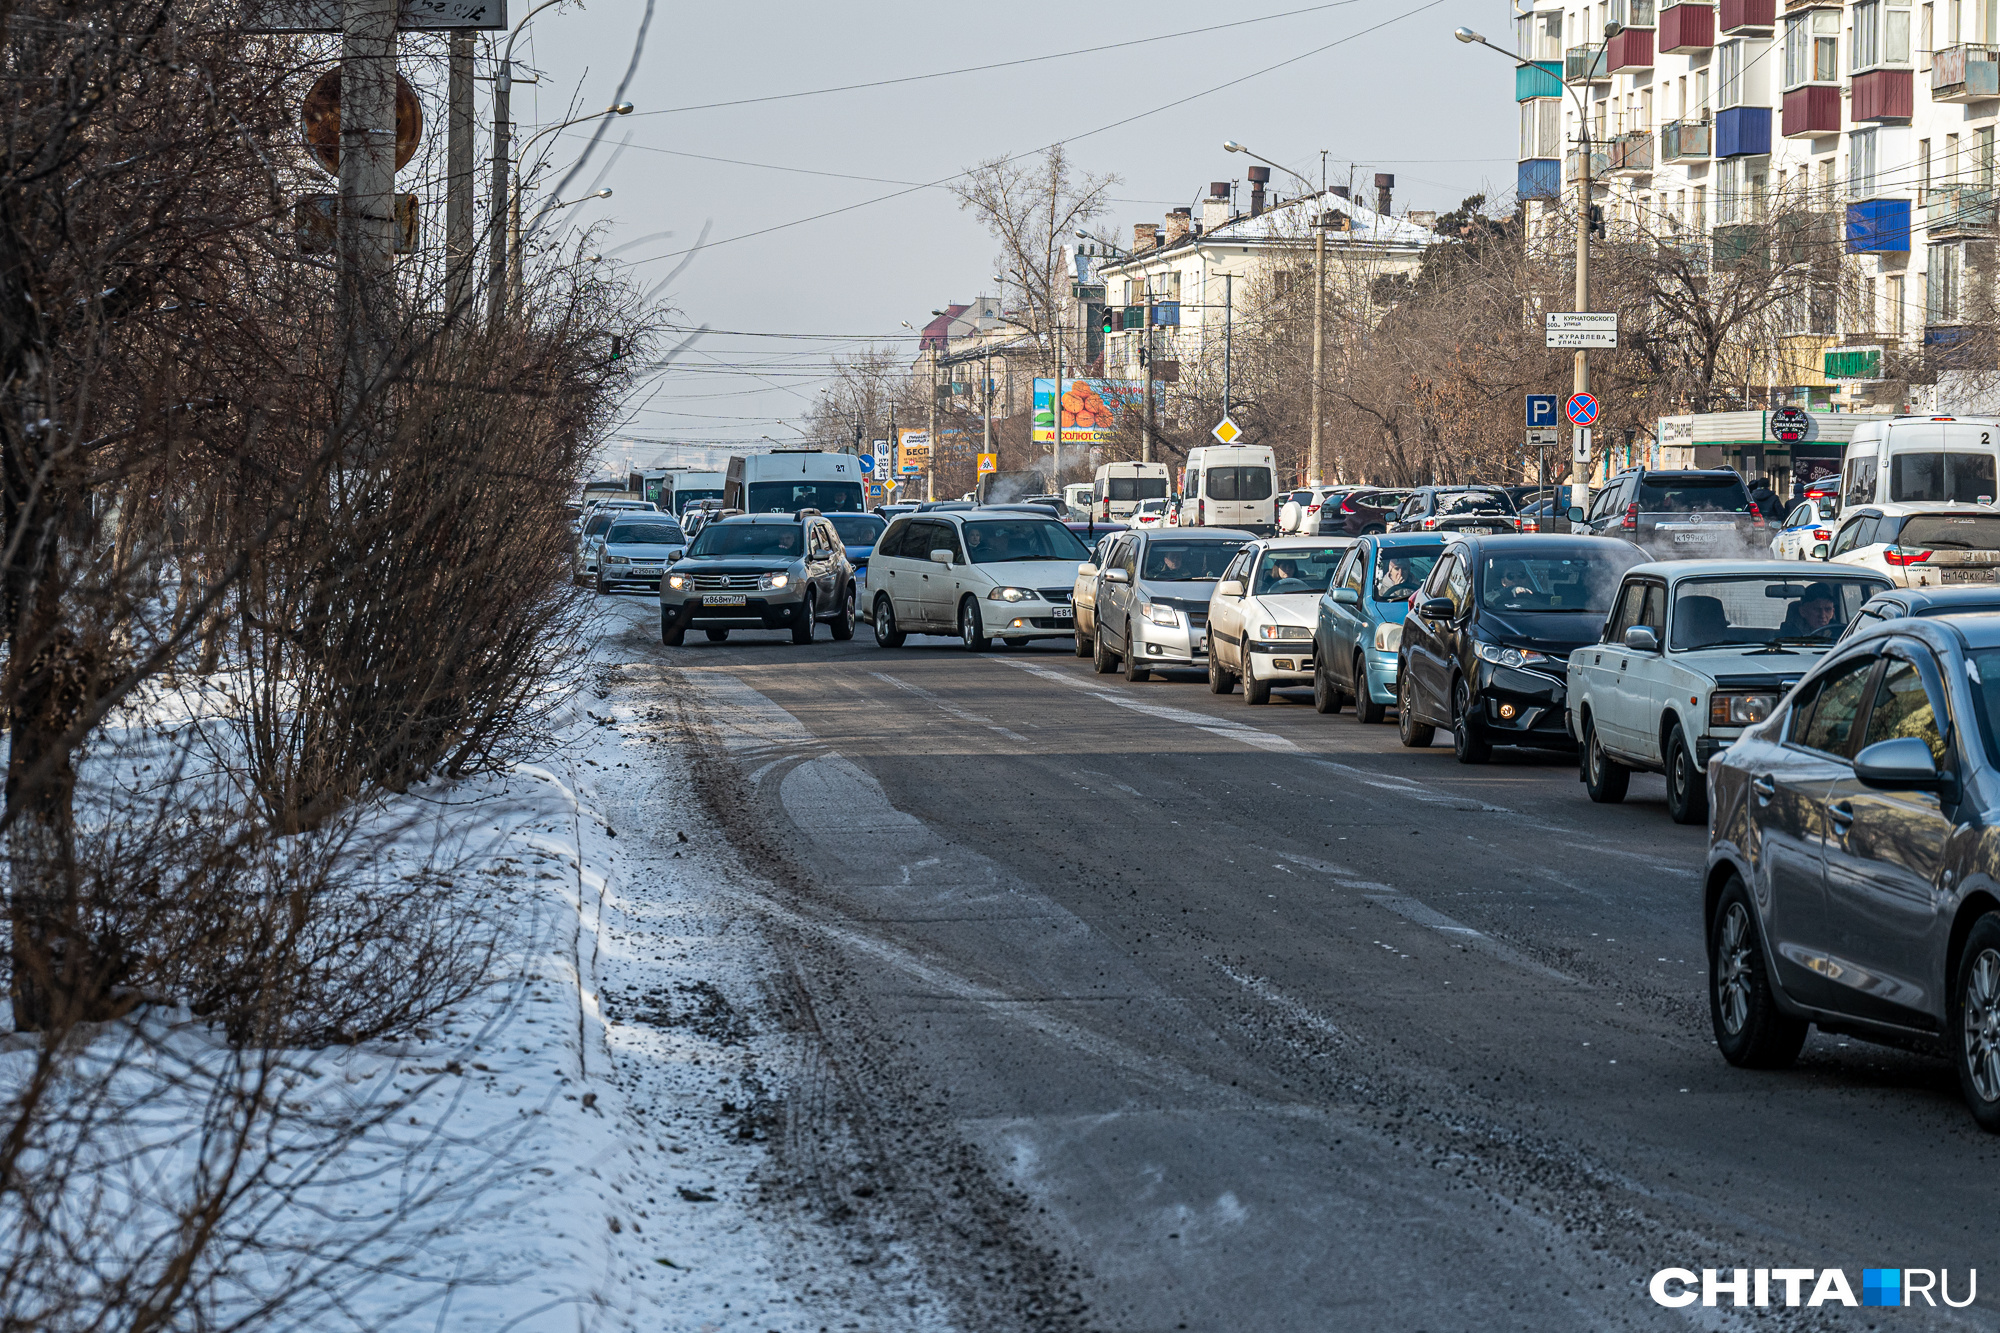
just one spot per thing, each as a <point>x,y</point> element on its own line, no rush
<point>1971,575</point>
<point>1063,613</point>
<point>724,599</point>
<point>1478,532</point>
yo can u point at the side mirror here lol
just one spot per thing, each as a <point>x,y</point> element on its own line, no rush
<point>1346,597</point>
<point>940,557</point>
<point>1641,639</point>
<point>1116,575</point>
<point>677,554</point>
<point>1902,764</point>
<point>1821,551</point>
<point>1436,608</point>
<point>1575,513</point>
<point>1229,588</point>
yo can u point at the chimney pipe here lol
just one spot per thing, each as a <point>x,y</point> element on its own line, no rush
<point>1259,177</point>
<point>1384,182</point>
<point>1215,209</point>
<point>1145,235</point>
<point>1179,223</point>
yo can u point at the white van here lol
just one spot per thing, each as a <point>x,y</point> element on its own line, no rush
<point>1119,487</point>
<point>691,488</point>
<point>1077,497</point>
<point>1918,460</point>
<point>1230,486</point>
<point>785,481</point>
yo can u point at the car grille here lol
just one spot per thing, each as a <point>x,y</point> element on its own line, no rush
<point>726,582</point>
<point>1060,596</point>
<point>1198,619</point>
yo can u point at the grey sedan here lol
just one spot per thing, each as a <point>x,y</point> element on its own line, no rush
<point>1853,870</point>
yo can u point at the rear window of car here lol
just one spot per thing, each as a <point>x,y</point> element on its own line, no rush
<point>1953,478</point>
<point>655,534</point>
<point>1135,488</point>
<point>1473,502</point>
<point>1239,483</point>
<point>1693,495</point>
<point>1950,532</point>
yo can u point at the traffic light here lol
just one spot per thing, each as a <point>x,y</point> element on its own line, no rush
<point>1104,320</point>
<point>617,347</point>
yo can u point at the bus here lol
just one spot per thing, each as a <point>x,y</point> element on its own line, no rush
<point>785,481</point>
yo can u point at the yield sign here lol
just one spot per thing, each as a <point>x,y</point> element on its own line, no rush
<point>1581,409</point>
<point>1227,431</point>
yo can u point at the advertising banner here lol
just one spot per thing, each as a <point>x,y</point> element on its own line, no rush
<point>1089,408</point>
<point>913,451</point>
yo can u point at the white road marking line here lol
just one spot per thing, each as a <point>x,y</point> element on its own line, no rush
<point>1276,998</point>
<point>948,706</point>
<point>1215,726</point>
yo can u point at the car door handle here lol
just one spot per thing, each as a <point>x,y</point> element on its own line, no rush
<point>1765,788</point>
<point>1842,816</point>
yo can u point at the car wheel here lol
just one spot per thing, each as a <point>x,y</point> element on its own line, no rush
<point>1687,785</point>
<point>1220,679</point>
<point>602,586</point>
<point>1414,734</point>
<point>1326,695</point>
<point>884,624</point>
<point>1083,645</point>
<point>1604,778</point>
<point>1134,672</point>
<point>1466,745</point>
<point>1102,660</point>
<point>716,635</point>
<point>843,624</point>
<point>1975,1002</point>
<point>970,632</point>
<point>670,635</point>
<point>1750,1029</point>
<point>1255,691</point>
<point>805,619</point>
<point>1365,707</point>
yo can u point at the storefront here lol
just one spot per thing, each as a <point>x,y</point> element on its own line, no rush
<point>1747,442</point>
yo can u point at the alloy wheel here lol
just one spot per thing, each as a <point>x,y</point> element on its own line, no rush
<point>1981,1004</point>
<point>1732,968</point>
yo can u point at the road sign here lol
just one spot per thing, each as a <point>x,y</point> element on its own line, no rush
<point>866,462</point>
<point>1541,410</point>
<point>1581,455</point>
<point>1227,431</point>
<point>1581,409</point>
<point>1543,437</point>
<point>1571,331</point>
<point>874,490</point>
<point>988,463</point>
<point>888,483</point>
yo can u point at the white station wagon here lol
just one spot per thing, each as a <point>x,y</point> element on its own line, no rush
<point>1693,652</point>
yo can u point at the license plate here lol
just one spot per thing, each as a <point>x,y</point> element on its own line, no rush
<point>1695,538</point>
<point>1971,575</point>
<point>1478,532</point>
<point>1063,613</point>
<point>725,599</point>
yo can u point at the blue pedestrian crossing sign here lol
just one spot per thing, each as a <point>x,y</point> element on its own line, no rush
<point>1541,410</point>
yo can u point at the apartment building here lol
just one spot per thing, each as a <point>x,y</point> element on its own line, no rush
<point>1868,124</point>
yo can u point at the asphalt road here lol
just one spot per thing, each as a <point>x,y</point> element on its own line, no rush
<point>1171,1012</point>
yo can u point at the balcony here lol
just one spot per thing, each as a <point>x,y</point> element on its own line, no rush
<point>1806,239</point>
<point>1882,94</point>
<point>1748,18</point>
<point>1585,64</point>
<point>1630,49</point>
<point>1878,227</point>
<point>1952,346</point>
<point>1538,178</point>
<point>1965,73</point>
<point>1743,131</point>
<point>1812,111</point>
<point>1687,140</point>
<point>1961,208</point>
<point>1543,78</point>
<point>1600,163</point>
<point>1739,245</point>
<point>1686,28</point>
<point>1631,154</point>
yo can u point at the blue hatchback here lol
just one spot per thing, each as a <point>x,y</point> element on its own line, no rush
<point>858,533</point>
<point>1360,623</point>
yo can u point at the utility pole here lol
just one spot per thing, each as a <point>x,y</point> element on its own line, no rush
<point>1228,326</point>
<point>930,455</point>
<point>1580,480</point>
<point>367,220</point>
<point>496,261</point>
<point>1055,441</point>
<point>985,411</point>
<point>1146,355</point>
<point>1314,470</point>
<point>458,184</point>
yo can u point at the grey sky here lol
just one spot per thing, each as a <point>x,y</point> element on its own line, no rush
<point>1405,98</point>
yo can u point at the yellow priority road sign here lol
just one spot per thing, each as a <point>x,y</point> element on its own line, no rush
<point>1227,431</point>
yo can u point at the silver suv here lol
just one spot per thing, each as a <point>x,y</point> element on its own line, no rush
<point>759,571</point>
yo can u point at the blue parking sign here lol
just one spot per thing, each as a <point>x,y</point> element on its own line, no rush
<point>1542,410</point>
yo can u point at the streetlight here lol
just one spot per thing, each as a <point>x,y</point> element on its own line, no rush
<point>1582,375</point>
<point>520,187</point>
<point>568,203</point>
<point>503,92</point>
<point>1314,470</point>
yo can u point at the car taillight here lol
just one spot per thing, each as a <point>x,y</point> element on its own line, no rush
<point>1530,525</point>
<point>1430,523</point>
<point>1896,557</point>
<point>1312,509</point>
<point>1822,534</point>
<point>1632,515</point>
<point>1201,511</point>
<point>1756,515</point>
<point>1347,506</point>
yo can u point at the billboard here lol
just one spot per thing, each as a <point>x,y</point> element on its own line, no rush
<point>1090,408</point>
<point>914,451</point>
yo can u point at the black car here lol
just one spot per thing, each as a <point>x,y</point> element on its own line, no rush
<point>1923,602</point>
<point>1852,857</point>
<point>1486,650</point>
<point>1359,512</point>
<point>760,571</point>
<point>1480,510</point>
<point>1682,515</point>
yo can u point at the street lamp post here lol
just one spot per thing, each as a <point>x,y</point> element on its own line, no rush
<point>515,265</point>
<point>1579,489</point>
<point>503,91</point>
<point>1314,466</point>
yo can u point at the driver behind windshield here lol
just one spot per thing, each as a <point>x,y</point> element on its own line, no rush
<point>1815,615</point>
<point>1397,578</point>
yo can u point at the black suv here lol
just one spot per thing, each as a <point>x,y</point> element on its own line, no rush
<point>1478,510</point>
<point>1681,515</point>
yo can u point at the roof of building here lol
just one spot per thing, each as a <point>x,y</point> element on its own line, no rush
<point>937,333</point>
<point>1280,223</point>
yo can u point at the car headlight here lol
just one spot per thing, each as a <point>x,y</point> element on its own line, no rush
<point>770,581</point>
<point>1388,637</point>
<point>1161,614</point>
<point>1283,632</point>
<point>616,560</point>
<point>677,581</point>
<point>1013,595</point>
<point>1508,656</point>
<point>1739,708</point>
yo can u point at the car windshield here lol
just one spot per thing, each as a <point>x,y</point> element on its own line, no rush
<point>1952,478</point>
<point>997,541</point>
<point>1758,609</point>
<point>648,534</point>
<point>597,524</point>
<point>858,529</point>
<point>1401,570</point>
<point>788,497</point>
<point>1952,532</point>
<point>773,539</point>
<point>1579,583</point>
<point>1473,502</point>
<point>1300,569</point>
<point>1187,562</point>
<point>1693,495</point>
